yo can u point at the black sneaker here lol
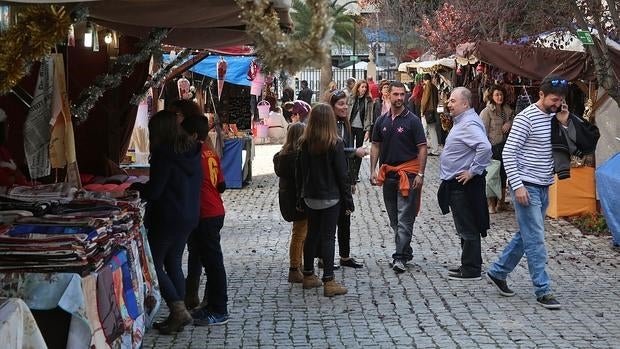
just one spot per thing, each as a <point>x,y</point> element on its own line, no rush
<point>464,277</point>
<point>454,270</point>
<point>548,301</point>
<point>501,286</point>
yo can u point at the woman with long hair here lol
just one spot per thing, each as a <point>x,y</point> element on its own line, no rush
<point>322,188</point>
<point>338,101</point>
<point>360,116</point>
<point>284,166</point>
<point>172,211</point>
<point>497,118</point>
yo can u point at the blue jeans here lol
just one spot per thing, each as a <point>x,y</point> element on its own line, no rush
<point>401,211</point>
<point>167,249</point>
<point>530,239</point>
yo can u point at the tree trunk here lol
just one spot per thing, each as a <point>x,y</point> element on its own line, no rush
<point>326,76</point>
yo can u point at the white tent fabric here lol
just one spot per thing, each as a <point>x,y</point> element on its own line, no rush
<point>428,65</point>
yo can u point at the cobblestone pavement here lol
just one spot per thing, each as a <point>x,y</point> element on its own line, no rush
<point>420,308</point>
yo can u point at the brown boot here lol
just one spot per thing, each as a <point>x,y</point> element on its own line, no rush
<point>295,276</point>
<point>179,318</point>
<point>332,288</point>
<point>191,293</point>
<point>311,281</point>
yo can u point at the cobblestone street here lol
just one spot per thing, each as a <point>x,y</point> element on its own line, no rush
<point>420,308</point>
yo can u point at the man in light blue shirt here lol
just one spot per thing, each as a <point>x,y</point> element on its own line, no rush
<point>462,164</point>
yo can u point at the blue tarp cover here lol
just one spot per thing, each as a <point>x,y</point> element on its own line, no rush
<point>607,184</point>
<point>236,71</point>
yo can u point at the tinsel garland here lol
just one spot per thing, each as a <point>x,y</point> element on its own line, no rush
<point>38,29</point>
<point>159,76</point>
<point>279,51</point>
<point>123,67</point>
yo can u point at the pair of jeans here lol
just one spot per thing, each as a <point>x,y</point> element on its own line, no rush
<point>529,240</point>
<point>465,224</point>
<point>401,211</point>
<point>298,236</point>
<point>205,241</point>
<point>167,249</point>
<point>321,238</point>
<point>356,162</point>
<point>344,233</point>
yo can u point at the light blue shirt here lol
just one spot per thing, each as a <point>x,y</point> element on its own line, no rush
<point>467,147</point>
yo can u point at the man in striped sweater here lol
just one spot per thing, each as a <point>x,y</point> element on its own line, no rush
<point>529,165</point>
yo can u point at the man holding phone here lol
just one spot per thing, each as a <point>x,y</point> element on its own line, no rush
<point>529,164</point>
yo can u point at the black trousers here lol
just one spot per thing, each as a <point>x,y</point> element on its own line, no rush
<point>344,233</point>
<point>356,162</point>
<point>321,237</point>
<point>465,223</point>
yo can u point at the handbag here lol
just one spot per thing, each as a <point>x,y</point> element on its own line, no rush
<point>430,117</point>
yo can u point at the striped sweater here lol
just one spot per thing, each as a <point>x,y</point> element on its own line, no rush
<point>527,154</point>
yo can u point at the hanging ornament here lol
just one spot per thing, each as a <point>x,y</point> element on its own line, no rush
<point>71,36</point>
<point>221,74</point>
<point>459,71</point>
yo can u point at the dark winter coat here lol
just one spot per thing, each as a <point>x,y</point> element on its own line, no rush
<point>284,166</point>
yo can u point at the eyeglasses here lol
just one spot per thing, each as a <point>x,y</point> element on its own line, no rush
<point>557,82</point>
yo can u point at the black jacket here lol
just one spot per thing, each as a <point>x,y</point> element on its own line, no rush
<point>284,166</point>
<point>475,192</point>
<point>579,139</point>
<point>173,190</point>
<point>324,176</point>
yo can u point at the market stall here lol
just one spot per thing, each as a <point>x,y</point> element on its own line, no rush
<point>520,69</point>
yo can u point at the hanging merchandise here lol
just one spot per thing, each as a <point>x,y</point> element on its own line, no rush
<point>480,68</point>
<point>221,75</point>
<point>71,36</point>
<point>95,39</point>
<point>253,70</point>
<point>36,126</point>
<point>183,85</point>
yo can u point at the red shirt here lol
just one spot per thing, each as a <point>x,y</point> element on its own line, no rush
<point>211,204</point>
<point>374,90</point>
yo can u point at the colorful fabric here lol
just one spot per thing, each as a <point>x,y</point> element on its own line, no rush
<point>89,289</point>
<point>18,329</point>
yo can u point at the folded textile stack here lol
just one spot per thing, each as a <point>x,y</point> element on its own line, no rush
<point>78,236</point>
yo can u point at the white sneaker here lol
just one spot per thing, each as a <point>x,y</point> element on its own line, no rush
<point>399,267</point>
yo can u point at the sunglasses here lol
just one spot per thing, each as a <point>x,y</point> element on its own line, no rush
<point>339,94</point>
<point>556,83</point>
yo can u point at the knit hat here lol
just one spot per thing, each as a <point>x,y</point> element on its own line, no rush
<point>2,116</point>
<point>300,107</point>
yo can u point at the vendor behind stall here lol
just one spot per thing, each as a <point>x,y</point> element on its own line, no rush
<point>9,173</point>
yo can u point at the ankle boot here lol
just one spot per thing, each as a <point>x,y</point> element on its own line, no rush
<point>295,276</point>
<point>191,292</point>
<point>161,324</point>
<point>311,281</point>
<point>332,288</point>
<point>179,318</point>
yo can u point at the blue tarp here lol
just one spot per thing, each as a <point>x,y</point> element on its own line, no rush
<point>236,72</point>
<point>607,184</point>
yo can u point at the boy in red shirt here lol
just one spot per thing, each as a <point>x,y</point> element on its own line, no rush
<point>204,243</point>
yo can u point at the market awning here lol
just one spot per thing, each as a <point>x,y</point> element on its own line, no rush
<point>531,62</point>
<point>448,63</point>
<point>195,24</point>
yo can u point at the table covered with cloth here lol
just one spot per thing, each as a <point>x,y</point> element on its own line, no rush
<point>84,269</point>
<point>18,329</point>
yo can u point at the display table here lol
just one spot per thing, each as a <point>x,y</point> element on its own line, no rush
<point>18,328</point>
<point>237,161</point>
<point>573,196</point>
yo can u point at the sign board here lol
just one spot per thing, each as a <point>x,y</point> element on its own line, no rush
<point>354,58</point>
<point>585,37</point>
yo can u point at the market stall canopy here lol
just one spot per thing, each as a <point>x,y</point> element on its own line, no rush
<point>428,65</point>
<point>194,24</point>
<point>531,62</point>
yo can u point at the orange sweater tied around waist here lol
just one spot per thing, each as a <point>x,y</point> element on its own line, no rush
<point>411,166</point>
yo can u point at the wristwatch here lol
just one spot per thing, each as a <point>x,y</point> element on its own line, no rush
<point>421,175</point>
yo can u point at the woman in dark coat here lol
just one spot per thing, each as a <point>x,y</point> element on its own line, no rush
<point>172,212</point>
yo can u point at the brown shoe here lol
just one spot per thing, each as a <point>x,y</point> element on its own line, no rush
<point>311,281</point>
<point>295,276</point>
<point>332,288</point>
<point>179,318</point>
